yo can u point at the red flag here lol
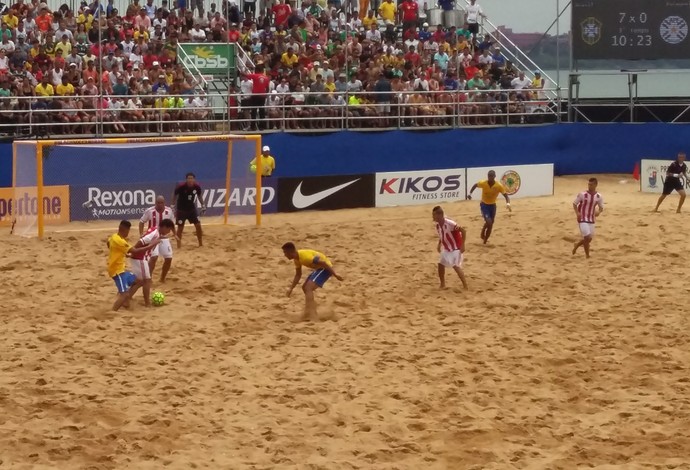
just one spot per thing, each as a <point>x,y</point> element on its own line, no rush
<point>636,172</point>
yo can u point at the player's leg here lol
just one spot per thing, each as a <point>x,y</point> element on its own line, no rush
<point>457,267</point>
<point>668,189</point>
<point>584,231</point>
<point>140,268</point>
<point>315,280</point>
<point>165,250</point>
<point>199,233</point>
<point>681,193</point>
<point>585,243</point>
<point>442,275</point>
<point>180,229</point>
<point>152,264</point>
<point>124,283</point>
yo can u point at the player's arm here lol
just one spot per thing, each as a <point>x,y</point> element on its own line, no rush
<point>295,280</point>
<point>174,198</point>
<point>141,228</point>
<point>600,206</point>
<point>507,198</point>
<point>199,193</point>
<point>469,194</point>
<point>463,232</point>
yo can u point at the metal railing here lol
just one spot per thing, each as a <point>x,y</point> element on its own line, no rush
<point>297,111</point>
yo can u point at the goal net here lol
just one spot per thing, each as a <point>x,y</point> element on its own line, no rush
<point>57,182</point>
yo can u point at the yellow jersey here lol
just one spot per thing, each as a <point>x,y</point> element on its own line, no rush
<point>309,258</point>
<point>46,90</point>
<point>387,11</point>
<point>63,90</point>
<point>490,193</point>
<point>268,164</point>
<point>119,247</point>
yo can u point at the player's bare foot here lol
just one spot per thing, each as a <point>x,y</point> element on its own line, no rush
<point>575,247</point>
<point>443,286</point>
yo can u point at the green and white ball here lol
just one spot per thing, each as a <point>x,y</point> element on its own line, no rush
<point>157,299</point>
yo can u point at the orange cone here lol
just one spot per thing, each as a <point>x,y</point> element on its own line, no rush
<point>636,172</point>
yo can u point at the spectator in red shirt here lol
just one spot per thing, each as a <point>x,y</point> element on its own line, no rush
<point>408,11</point>
<point>413,58</point>
<point>260,84</point>
<point>281,13</point>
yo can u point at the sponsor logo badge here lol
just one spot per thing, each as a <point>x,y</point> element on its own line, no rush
<point>653,176</point>
<point>673,30</point>
<point>511,180</point>
<point>591,30</point>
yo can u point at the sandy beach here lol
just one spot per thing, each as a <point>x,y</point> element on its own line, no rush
<point>549,361</point>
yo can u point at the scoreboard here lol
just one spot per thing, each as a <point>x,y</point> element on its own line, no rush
<point>630,29</point>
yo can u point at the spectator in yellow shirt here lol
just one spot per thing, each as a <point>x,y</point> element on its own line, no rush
<point>64,47</point>
<point>387,10</point>
<point>289,58</point>
<point>11,20</point>
<point>65,88</point>
<point>44,88</point>
<point>369,20</point>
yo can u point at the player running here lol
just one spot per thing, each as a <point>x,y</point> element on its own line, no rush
<point>185,197</point>
<point>140,265</point>
<point>588,205</point>
<point>322,271</point>
<point>154,216</point>
<point>451,246</point>
<point>118,249</point>
<point>675,171</point>
<point>490,191</point>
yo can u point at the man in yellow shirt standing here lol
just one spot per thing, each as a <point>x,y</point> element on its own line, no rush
<point>268,163</point>
<point>387,10</point>
<point>322,271</point>
<point>490,191</point>
<point>119,248</point>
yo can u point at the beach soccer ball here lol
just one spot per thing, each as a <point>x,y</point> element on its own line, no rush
<point>252,168</point>
<point>158,298</point>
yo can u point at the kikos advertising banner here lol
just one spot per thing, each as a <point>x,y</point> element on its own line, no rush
<point>408,188</point>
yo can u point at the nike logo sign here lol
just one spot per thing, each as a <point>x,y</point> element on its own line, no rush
<point>302,201</point>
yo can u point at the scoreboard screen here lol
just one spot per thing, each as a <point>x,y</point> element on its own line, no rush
<point>630,29</point>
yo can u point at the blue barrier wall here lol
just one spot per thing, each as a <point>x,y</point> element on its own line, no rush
<point>573,148</point>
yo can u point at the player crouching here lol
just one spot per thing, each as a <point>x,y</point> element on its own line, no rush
<point>140,260</point>
<point>451,246</point>
<point>119,248</point>
<point>323,270</point>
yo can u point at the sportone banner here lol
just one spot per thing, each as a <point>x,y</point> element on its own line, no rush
<point>653,175</point>
<point>110,202</point>
<point>420,187</point>
<point>519,180</point>
<point>55,204</point>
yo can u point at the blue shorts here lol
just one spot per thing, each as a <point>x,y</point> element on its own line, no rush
<point>488,211</point>
<point>320,276</point>
<point>124,281</point>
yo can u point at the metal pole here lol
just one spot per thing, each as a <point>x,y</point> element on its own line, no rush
<point>100,128</point>
<point>558,44</point>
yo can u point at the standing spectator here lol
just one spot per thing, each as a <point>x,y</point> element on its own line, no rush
<point>260,84</point>
<point>281,12</point>
<point>388,10</point>
<point>409,11</point>
<point>474,14</point>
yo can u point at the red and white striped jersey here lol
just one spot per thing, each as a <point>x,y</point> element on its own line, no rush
<point>153,217</point>
<point>587,203</point>
<point>150,236</point>
<point>449,235</point>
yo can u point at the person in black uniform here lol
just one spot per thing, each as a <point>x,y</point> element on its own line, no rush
<point>185,197</point>
<point>673,181</point>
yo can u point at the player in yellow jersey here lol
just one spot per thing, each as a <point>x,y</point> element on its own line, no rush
<point>322,271</point>
<point>490,191</point>
<point>119,248</point>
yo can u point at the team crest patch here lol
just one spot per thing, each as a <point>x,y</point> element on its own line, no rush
<point>511,180</point>
<point>674,30</point>
<point>591,30</point>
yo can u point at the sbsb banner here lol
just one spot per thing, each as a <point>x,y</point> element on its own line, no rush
<point>109,202</point>
<point>420,187</point>
<point>519,180</point>
<point>326,192</point>
<point>55,204</point>
<point>653,176</point>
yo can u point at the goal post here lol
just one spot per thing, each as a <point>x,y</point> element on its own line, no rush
<point>60,181</point>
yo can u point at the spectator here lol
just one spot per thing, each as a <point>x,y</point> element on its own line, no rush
<point>521,82</point>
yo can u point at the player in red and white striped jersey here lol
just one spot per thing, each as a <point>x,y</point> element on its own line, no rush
<point>588,205</point>
<point>451,246</point>
<point>153,216</point>
<point>139,263</point>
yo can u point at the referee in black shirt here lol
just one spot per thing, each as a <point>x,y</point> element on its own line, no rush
<point>673,181</point>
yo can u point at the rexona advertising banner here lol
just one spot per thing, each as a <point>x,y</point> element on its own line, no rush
<point>409,188</point>
<point>325,192</point>
<point>55,204</point>
<point>653,175</point>
<point>109,202</point>
<point>519,180</point>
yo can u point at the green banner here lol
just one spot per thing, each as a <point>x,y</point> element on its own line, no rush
<point>209,58</point>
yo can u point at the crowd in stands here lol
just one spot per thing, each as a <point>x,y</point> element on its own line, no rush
<point>313,64</point>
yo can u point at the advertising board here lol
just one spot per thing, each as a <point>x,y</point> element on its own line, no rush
<point>129,201</point>
<point>326,192</point>
<point>410,188</point>
<point>653,175</point>
<point>55,204</point>
<point>519,180</point>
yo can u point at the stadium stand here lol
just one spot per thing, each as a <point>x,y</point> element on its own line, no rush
<point>97,70</point>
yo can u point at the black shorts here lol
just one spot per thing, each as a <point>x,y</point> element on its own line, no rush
<point>672,184</point>
<point>473,28</point>
<point>183,216</point>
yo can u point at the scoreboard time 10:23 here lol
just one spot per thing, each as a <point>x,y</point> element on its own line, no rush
<point>631,29</point>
